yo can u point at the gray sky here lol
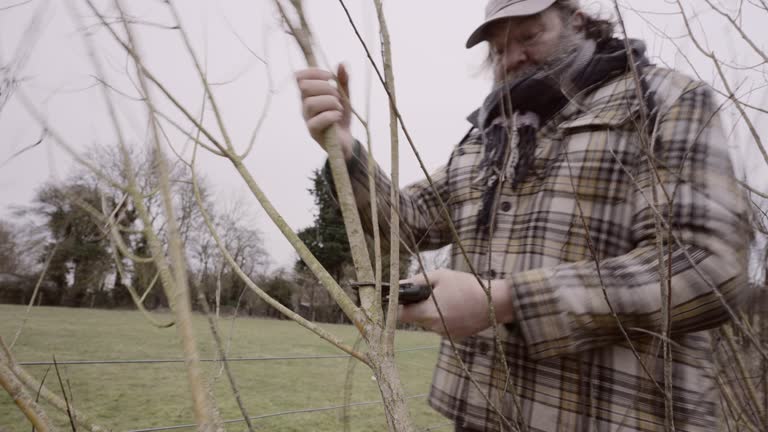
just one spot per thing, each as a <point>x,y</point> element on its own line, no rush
<point>438,84</point>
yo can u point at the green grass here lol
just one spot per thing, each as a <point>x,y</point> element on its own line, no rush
<point>124,397</point>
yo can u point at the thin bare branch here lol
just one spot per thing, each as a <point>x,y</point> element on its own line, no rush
<point>6,357</point>
<point>24,150</point>
<point>715,61</point>
<point>753,190</point>
<point>740,29</point>
<point>361,261</point>
<point>143,71</point>
<point>744,116</point>
<point>270,87</point>
<point>64,395</point>
<point>445,213</point>
<point>5,8</point>
<point>203,80</point>
<point>195,140</point>
<point>394,226</point>
<point>39,283</point>
<point>337,162</point>
<point>174,277</point>
<point>139,301</point>
<point>21,398</point>
<point>261,293</point>
<point>223,357</point>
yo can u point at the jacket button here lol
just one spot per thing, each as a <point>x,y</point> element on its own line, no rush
<point>483,348</point>
<point>506,206</point>
<point>492,274</point>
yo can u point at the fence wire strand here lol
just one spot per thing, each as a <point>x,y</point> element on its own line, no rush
<point>277,414</point>
<point>238,359</point>
<point>233,359</point>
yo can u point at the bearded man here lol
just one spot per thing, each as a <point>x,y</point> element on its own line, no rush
<point>592,188</point>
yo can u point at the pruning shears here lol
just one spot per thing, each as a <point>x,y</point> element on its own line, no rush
<point>409,293</point>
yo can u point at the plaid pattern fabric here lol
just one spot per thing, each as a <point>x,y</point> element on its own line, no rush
<point>580,234</point>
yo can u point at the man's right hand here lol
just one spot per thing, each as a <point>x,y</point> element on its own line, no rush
<point>324,105</point>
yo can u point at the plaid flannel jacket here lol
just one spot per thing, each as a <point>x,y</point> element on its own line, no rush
<point>580,244</point>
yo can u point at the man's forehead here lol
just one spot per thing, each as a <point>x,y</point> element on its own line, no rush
<point>515,25</point>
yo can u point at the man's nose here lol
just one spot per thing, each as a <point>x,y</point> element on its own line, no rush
<point>514,58</point>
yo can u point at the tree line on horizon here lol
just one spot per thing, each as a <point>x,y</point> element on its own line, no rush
<point>63,249</point>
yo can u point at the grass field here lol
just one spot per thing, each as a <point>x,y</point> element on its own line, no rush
<point>137,396</point>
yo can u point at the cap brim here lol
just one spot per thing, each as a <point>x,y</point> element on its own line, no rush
<point>519,9</point>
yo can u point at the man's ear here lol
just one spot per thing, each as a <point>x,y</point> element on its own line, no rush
<point>578,20</point>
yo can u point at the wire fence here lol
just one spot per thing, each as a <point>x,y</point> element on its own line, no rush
<point>245,359</point>
<point>229,359</point>
<point>277,414</point>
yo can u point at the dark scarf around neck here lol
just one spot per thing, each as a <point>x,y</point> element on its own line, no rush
<point>534,100</point>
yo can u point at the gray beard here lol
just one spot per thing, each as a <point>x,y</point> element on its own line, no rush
<point>568,46</point>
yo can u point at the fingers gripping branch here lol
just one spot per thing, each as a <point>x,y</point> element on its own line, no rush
<point>363,267</point>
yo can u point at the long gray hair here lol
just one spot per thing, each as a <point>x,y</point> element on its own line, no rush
<point>595,27</point>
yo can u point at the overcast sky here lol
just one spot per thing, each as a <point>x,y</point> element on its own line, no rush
<point>438,84</point>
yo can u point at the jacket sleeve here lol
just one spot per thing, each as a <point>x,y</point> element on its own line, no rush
<point>565,309</point>
<point>422,221</point>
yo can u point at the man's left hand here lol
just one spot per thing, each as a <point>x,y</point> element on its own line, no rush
<point>463,302</point>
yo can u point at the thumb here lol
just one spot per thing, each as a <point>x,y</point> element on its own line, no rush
<point>342,77</point>
<point>420,279</point>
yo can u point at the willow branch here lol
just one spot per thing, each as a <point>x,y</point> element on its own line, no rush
<point>261,293</point>
<point>742,112</point>
<point>223,356</point>
<point>174,278</point>
<point>687,59</point>
<point>751,392</point>
<point>199,69</point>
<point>270,93</point>
<point>195,140</point>
<point>732,404</point>
<point>139,301</point>
<point>445,213</point>
<point>711,56</point>
<point>373,194</point>
<point>119,245</point>
<point>346,304</point>
<point>36,115</point>
<point>664,275</point>
<point>151,77</point>
<point>394,227</point>
<point>132,191</point>
<point>753,190</point>
<point>741,31</point>
<point>34,294</point>
<point>737,320</point>
<point>31,383</point>
<point>338,164</point>
<point>24,401</point>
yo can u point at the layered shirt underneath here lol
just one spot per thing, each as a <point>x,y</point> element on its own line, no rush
<point>584,245</point>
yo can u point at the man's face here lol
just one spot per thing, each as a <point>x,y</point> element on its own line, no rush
<point>522,45</point>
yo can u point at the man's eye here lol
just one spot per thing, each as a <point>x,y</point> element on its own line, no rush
<point>530,37</point>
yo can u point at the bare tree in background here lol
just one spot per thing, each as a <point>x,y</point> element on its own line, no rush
<point>9,249</point>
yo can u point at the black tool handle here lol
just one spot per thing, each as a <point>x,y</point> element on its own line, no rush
<point>409,293</point>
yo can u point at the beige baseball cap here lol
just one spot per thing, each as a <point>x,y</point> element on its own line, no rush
<point>499,9</point>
